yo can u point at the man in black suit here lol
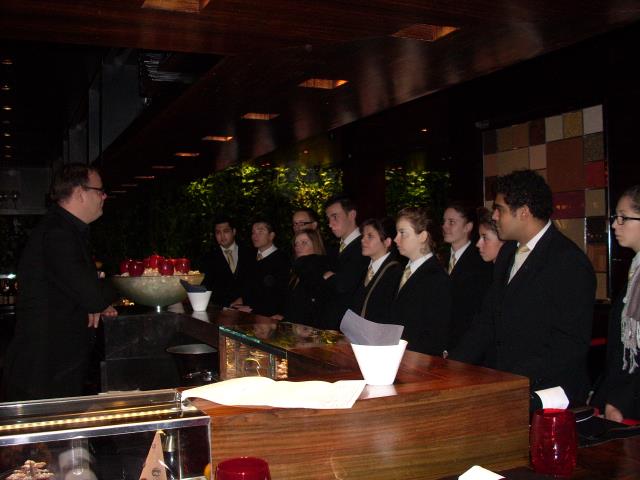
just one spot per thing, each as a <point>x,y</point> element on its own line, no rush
<point>537,317</point>
<point>61,295</point>
<point>226,266</point>
<point>348,263</point>
<point>264,288</point>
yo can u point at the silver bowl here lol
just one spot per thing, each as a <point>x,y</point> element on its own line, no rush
<point>155,291</point>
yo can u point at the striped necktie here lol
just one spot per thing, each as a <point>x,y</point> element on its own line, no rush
<point>405,276</point>
<point>229,254</point>
<point>369,276</point>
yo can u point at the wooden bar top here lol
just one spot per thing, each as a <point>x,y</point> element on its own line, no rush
<point>439,418</point>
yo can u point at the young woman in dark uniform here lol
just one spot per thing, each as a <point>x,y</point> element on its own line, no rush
<point>470,275</point>
<point>423,301</point>
<point>379,285</point>
<point>305,300</point>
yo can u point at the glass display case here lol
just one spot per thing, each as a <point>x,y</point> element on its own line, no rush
<point>262,349</point>
<point>107,436</point>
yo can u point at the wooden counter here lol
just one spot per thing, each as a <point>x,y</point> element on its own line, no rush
<point>440,418</point>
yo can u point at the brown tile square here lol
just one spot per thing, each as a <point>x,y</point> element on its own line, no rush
<point>573,228</point>
<point>572,124</point>
<point>512,160</point>
<point>597,253</point>
<point>568,204</point>
<point>597,230</point>
<point>592,119</point>
<point>601,286</point>
<point>593,147</point>
<point>595,203</point>
<point>595,175</point>
<point>553,128</point>
<point>489,142</point>
<point>536,132</point>
<point>564,165</point>
<point>538,157</point>
<point>521,135</point>
<point>490,165</point>
<point>489,188</point>
<point>505,139</point>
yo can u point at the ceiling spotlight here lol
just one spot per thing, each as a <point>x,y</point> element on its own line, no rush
<point>6,134</point>
<point>260,116</point>
<point>5,87</point>
<point>217,138</point>
<point>424,130</point>
<point>7,61</point>
<point>7,108</point>
<point>187,154</point>
<point>322,83</point>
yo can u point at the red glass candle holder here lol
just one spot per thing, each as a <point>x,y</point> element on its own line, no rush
<point>243,468</point>
<point>553,442</point>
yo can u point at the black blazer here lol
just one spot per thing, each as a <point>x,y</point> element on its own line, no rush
<point>619,388</point>
<point>265,287</point>
<point>226,286</point>
<point>381,291</point>
<point>305,300</point>
<point>59,287</point>
<point>349,268</point>
<point>423,306</point>
<point>539,324</point>
<point>470,279</point>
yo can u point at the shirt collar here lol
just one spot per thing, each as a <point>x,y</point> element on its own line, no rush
<point>268,251</point>
<point>375,265</point>
<point>233,247</point>
<point>534,241</point>
<point>351,237</point>
<point>458,253</point>
<point>416,263</point>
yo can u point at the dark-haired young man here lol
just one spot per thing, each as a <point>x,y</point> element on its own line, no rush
<point>264,288</point>
<point>227,264</point>
<point>61,295</point>
<point>537,318</point>
<point>349,265</point>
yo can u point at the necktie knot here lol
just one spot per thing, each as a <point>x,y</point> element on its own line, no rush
<point>523,249</point>
<point>259,256</point>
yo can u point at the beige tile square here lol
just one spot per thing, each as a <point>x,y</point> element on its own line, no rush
<point>601,286</point>
<point>538,156</point>
<point>490,165</point>
<point>572,228</point>
<point>572,124</point>
<point>553,128</point>
<point>592,119</point>
<point>505,139</point>
<point>512,160</point>
<point>595,203</point>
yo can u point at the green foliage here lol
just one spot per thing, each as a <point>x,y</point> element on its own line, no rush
<point>416,188</point>
<point>176,220</point>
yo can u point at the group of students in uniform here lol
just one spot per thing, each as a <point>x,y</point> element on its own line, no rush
<point>520,299</point>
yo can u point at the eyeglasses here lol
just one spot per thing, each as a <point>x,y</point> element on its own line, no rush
<point>97,189</point>
<point>621,219</point>
<point>301,224</point>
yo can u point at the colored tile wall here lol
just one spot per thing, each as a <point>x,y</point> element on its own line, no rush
<point>568,150</point>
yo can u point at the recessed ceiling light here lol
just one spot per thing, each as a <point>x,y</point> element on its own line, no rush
<point>323,83</point>
<point>129,185</point>
<point>259,116</point>
<point>217,138</point>
<point>5,87</point>
<point>6,134</point>
<point>8,155</point>
<point>7,146</point>
<point>7,108</point>
<point>144,177</point>
<point>7,61</point>
<point>187,154</point>
<point>424,130</point>
<point>163,167</point>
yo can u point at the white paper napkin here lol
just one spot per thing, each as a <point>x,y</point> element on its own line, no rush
<point>478,473</point>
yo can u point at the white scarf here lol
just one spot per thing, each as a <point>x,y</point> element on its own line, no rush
<point>630,328</point>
